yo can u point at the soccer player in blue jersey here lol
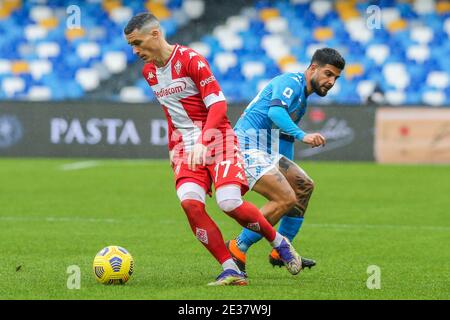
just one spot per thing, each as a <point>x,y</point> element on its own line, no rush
<point>267,131</point>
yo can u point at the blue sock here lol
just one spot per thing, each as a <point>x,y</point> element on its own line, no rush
<point>290,226</point>
<point>247,238</point>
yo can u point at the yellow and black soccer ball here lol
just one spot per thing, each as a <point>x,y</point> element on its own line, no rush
<point>113,265</point>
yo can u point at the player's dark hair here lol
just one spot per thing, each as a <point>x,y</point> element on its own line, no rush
<point>140,20</point>
<point>328,56</point>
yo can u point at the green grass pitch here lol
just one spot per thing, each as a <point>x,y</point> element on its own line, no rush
<point>361,214</point>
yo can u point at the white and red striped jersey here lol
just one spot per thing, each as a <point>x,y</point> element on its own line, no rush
<point>186,88</point>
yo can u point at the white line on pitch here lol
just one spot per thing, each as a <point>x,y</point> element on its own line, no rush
<point>79,165</point>
<point>377,226</point>
<point>56,219</point>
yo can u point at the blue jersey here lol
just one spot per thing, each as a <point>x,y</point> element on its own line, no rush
<point>253,128</point>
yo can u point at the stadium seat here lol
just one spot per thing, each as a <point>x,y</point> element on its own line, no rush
<point>378,52</point>
<point>202,48</point>
<point>225,61</point>
<point>433,98</point>
<point>41,12</point>
<point>321,8</point>
<point>419,53</point>
<point>365,88</point>
<point>48,50</point>
<point>396,75</point>
<point>115,61</point>
<point>294,67</point>
<point>132,94</point>
<point>276,25</point>
<point>35,32</point>
<point>39,68</point>
<point>39,93</point>
<point>438,79</point>
<point>194,8</point>
<point>238,23</point>
<point>253,69</point>
<point>121,15</point>
<point>12,85</point>
<point>5,66</point>
<point>423,7</point>
<point>395,97</point>
<point>88,50</point>
<point>275,47</point>
<point>89,79</point>
<point>358,30</point>
<point>421,34</point>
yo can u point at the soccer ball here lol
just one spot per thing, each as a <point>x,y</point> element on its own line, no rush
<point>113,265</point>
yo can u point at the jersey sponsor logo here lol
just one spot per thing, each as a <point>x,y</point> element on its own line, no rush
<point>207,80</point>
<point>201,64</point>
<point>177,67</point>
<point>173,88</point>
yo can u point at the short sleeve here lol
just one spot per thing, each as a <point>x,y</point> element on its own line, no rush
<point>207,85</point>
<point>285,91</point>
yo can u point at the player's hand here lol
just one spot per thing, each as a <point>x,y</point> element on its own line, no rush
<point>197,156</point>
<point>314,139</point>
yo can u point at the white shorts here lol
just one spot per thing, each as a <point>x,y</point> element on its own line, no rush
<point>257,163</point>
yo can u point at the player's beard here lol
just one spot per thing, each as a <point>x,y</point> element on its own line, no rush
<point>316,88</point>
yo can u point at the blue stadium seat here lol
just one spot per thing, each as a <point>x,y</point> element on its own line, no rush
<point>33,25</point>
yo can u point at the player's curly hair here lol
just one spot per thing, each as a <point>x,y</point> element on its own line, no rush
<point>328,56</point>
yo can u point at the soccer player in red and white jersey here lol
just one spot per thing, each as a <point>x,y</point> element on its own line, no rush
<point>202,145</point>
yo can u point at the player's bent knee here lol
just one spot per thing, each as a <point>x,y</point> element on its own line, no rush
<point>230,204</point>
<point>191,191</point>
<point>229,197</point>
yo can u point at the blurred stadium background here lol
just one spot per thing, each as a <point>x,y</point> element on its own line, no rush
<point>403,56</point>
<point>70,87</point>
<point>58,54</point>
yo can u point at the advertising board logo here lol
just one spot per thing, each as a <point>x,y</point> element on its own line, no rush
<point>10,131</point>
<point>337,131</point>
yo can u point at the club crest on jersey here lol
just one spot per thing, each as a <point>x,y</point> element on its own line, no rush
<point>177,67</point>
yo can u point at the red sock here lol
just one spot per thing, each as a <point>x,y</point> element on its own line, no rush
<point>251,218</point>
<point>205,230</point>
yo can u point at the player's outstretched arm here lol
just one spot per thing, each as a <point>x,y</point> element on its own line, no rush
<point>280,117</point>
<point>282,120</point>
